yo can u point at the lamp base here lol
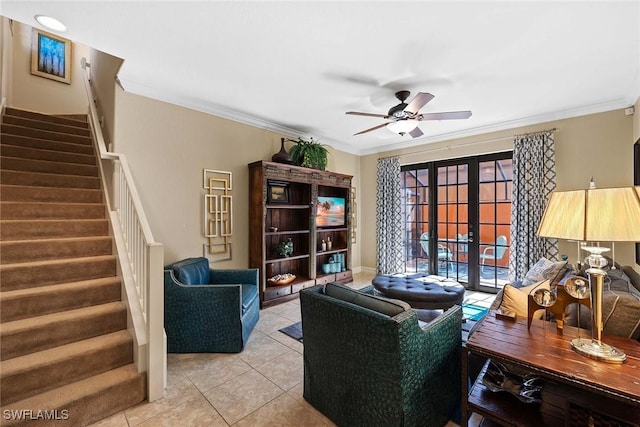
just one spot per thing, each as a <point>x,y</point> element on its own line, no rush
<point>598,351</point>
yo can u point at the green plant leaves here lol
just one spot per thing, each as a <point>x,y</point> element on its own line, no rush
<point>310,154</point>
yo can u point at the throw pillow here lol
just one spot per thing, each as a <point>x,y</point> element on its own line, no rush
<point>542,270</point>
<point>515,300</point>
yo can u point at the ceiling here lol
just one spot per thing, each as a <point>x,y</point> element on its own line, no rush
<point>297,67</point>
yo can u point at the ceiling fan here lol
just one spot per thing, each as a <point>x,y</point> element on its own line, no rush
<point>404,117</point>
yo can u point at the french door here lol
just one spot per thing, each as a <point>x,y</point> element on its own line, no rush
<point>457,219</point>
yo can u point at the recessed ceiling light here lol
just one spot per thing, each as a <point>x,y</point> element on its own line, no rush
<point>51,23</point>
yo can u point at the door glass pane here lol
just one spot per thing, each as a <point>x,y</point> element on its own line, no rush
<point>416,214</point>
<point>495,222</point>
<point>484,241</point>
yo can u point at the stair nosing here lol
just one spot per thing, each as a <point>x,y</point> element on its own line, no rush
<point>59,394</point>
<point>90,156</point>
<point>31,138</point>
<point>57,287</point>
<point>58,239</point>
<point>88,138</point>
<point>11,112</point>
<point>57,261</point>
<point>49,356</point>
<point>21,325</point>
<point>49,163</point>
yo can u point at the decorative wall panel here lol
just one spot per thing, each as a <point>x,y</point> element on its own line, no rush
<point>218,215</point>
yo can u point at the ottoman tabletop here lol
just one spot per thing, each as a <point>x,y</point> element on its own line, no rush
<point>420,290</point>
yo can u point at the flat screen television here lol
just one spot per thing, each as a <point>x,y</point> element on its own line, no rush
<point>331,212</point>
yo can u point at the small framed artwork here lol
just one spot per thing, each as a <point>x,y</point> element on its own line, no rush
<point>277,192</point>
<point>50,56</point>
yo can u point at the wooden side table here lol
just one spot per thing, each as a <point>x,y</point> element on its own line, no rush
<point>577,391</point>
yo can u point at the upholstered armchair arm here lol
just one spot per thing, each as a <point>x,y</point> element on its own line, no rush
<point>246,276</point>
<point>194,312</point>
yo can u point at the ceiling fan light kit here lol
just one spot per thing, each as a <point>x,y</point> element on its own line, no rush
<point>402,126</point>
<point>404,117</point>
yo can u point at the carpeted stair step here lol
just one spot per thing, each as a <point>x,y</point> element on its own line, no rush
<point>19,152</point>
<point>46,166</point>
<point>21,193</point>
<point>23,303</point>
<point>44,134</point>
<point>52,228</point>
<point>42,273</point>
<point>48,180</point>
<point>84,401</point>
<point>44,144</point>
<point>27,336</point>
<point>19,251</point>
<point>48,125</point>
<point>25,210</point>
<point>77,120</point>
<point>34,373</point>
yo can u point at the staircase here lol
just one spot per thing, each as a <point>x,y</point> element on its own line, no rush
<point>65,353</point>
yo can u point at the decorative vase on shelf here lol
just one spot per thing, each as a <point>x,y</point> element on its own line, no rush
<point>285,249</point>
<point>282,156</point>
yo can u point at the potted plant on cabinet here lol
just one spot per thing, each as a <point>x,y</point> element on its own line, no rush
<point>310,154</point>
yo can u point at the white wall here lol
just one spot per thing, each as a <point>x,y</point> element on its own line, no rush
<point>6,59</point>
<point>168,147</point>
<point>34,93</point>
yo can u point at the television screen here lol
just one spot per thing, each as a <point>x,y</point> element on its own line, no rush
<point>331,212</point>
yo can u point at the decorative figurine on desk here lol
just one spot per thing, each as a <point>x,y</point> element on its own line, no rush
<point>545,298</point>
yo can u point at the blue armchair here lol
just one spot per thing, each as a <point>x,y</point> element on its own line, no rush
<point>209,310</point>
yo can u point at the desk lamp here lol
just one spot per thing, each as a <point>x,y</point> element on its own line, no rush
<point>594,215</point>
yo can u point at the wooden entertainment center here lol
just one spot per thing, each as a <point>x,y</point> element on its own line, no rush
<point>283,207</point>
<point>576,390</point>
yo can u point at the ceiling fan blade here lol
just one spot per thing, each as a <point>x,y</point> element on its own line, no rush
<point>418,101</point>
<point>416,132</point>
<point>356,113</point>
<point>451,115</point>
<point>370,129</point>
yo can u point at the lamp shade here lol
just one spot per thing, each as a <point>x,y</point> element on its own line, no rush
<point>598,214</point>
<point>402,126</point>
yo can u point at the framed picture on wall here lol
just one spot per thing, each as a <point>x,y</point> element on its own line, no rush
<point>50,56</point>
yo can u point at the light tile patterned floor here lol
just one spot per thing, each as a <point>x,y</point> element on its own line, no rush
<point>262,386</point>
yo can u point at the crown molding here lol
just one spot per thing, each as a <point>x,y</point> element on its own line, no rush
<point>510,124</point>
<point>237,116</point>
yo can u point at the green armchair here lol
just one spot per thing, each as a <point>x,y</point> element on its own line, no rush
<point>209,310</point>
<point>368,362</point>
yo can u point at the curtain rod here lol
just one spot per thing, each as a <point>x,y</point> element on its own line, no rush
<point>449,147</point>
<point>535,133</point>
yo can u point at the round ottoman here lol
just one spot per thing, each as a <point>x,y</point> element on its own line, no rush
<point>420,290</point>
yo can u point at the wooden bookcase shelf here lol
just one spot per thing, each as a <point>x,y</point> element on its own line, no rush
<point>293,217</point>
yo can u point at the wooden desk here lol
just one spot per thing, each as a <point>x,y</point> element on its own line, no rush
<point>576,389</point>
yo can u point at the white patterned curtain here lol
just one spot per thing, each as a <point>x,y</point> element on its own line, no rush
<point>389,217</point>
<point>534,178</point>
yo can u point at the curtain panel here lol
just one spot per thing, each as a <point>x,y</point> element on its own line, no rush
<point>389,225</point>
<point>534,178</point>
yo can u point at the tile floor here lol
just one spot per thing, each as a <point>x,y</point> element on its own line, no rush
<point>261,386</point>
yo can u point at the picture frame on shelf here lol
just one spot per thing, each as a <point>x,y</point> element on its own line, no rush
<point>277,192</point>
<point>50,56</point>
